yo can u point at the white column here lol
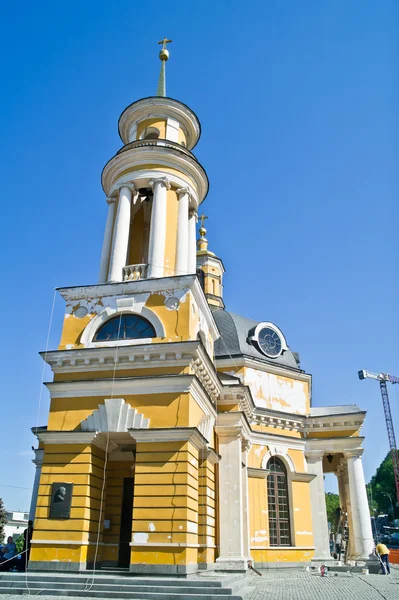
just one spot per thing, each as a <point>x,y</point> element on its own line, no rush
<point>362,538</point>
<point>156,250</point>
<point>349,549</point>
<point>182,232</point>
<point>246,446</point>
<point>319,511</point>
<point>102,278</point>
<point>38,461</point>
<point>231,550</point>
<point>120,241</point>
<point>192,242</point>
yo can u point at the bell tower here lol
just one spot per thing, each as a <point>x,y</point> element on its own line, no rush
<point>154,185</point>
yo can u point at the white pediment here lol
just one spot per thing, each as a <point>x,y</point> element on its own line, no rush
<point>114,415</point>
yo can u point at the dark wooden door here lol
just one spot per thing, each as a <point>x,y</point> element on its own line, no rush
<point>126,522</point>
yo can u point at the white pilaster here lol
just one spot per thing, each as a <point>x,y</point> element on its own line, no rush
<point>231,513</point>
<point>156,250</point>
<point>319,511</point>
<point>120,241</point>
<point>246,446</point>
<point>192,242</point>
<point>182,232</point>
<point>362,538</point>
<point>38,461</point>
<point>102,278</point>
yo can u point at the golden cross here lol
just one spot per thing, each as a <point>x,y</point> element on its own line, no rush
<point>202,219</point>
<point>164,42</point>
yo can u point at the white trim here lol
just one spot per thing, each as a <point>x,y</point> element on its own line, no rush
<point>244,361</point>
<point>161,355</point>
<point>271,439</point>
<point>187,283</point>
<point>282,548</point>
<point>257,473</point>
<point>108,313</point>
<point>162,108</point>
<point>134,159</point>
<point>66,437</point>
<point>333,445</point>
<point>164,544</point>
<point>72,543</point>
<point>178,434</point>
<point>132,386</point>
<point>281,453</point>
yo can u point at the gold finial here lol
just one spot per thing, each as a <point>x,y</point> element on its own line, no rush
<point>164,54</point>
<point>202,228</point>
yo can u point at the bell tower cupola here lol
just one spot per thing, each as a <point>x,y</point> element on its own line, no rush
<point>154,185</point>
<point>210,269</point>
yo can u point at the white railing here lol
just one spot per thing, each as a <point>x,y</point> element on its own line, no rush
<point>134,272</point>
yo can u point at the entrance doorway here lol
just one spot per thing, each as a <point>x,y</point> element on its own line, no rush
<point>125,534</point>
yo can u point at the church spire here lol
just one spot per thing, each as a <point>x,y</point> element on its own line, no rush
<point>163,55</point>
<point>202,243</point>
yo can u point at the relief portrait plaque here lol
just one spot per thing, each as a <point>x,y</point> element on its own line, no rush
<point>61,499</point>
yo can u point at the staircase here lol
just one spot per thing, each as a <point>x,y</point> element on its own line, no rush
<point>114,585</point>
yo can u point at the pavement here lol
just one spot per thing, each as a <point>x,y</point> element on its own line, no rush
<point>298,584</point>
<point>295,584</point>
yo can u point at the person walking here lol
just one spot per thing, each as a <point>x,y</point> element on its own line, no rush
<point>383,553</point>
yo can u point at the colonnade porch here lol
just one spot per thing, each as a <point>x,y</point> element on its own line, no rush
<point>138,502</point>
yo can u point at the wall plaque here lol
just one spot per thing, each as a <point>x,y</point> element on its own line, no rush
<point>61,499</point>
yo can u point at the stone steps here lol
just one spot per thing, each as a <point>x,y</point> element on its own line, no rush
<point>196,588</point>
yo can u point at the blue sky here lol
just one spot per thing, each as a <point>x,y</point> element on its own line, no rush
<point>298,105</point>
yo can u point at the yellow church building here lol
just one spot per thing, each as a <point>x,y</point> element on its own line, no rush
<point>180,436</point>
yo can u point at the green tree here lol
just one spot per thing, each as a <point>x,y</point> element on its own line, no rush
<point>332,503</point>
<point>3,519</point>
<point>382,488</point>
<point>20,543</point>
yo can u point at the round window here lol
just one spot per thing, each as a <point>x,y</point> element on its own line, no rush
<point>270,342</point>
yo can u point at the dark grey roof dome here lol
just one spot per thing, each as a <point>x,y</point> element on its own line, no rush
<point>234,333</point>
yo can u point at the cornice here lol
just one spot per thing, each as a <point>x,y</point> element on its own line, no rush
<point>302,477</point>
<point>246,361</point>
<point>183,354</point>
<point>126,288</point>
<point>331,423</point>
<point>279,420</point>
<point>164,157</point>
<point>176,434</point>
<point>266,439</point>
<point>258,473</point>
<point>132,386</point>
<point>210,455</point>
<point>233,424</point>
<point>161,107</point>
<point>333,445</point>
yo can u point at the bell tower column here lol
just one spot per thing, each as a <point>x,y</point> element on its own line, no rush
<point>182,232</point>
<point>120,240</point>
<point>102,278</point>
<point>156,252</point>
<point>192,242</point>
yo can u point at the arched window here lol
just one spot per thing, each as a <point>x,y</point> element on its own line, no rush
<point>151,133</point>
<point>125,327</point>
<point>278,506</point>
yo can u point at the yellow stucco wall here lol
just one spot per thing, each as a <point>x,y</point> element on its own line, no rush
<point>171,233</point>
<point>155,122</point>
<point>163,410</point>
<point>82,466</point>
<point>166,513</point>
<point>177,323</point>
